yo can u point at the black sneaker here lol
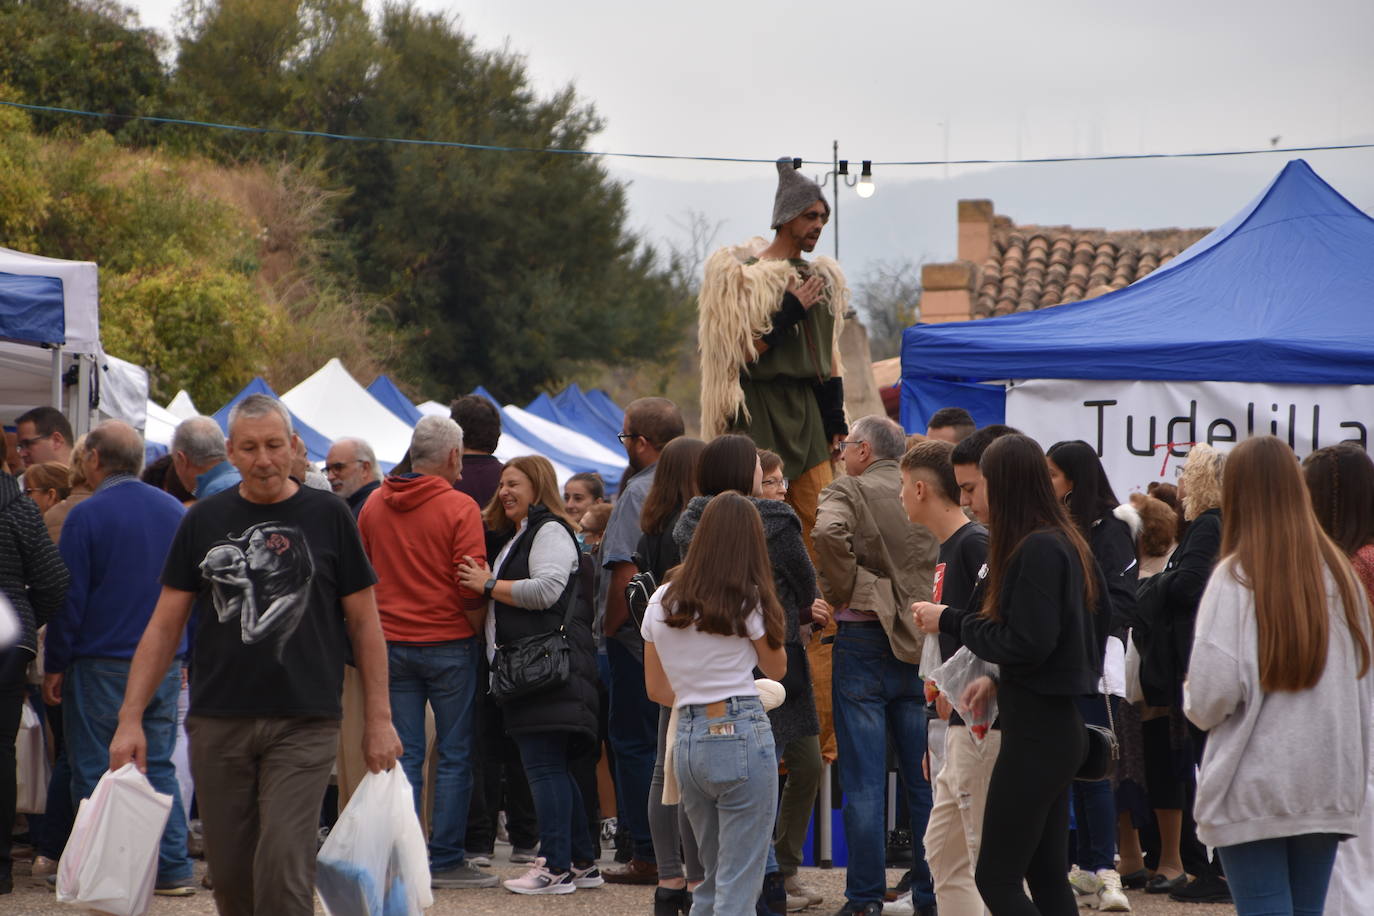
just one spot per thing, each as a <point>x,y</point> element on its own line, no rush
<point>873,908</point>
<point>1210,889</point>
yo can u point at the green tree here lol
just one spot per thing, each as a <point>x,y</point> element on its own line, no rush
<point>84,54</point>
<point>504,269</point>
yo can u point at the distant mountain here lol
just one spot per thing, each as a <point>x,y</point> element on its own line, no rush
<point>914,217</point>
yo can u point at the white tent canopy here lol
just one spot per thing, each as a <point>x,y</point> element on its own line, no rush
<point>337,406</point>
<point>181,406</point>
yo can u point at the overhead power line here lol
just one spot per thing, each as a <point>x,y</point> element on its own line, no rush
<point>682,157</point>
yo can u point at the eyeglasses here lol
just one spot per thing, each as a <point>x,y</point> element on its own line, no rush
<point>779,482</point>
<point>24,445</point>
<point>338,466</point>
<point>624,436</point>
<point>845,442</point>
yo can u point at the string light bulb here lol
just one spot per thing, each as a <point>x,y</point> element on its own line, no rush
<point>865,187</point>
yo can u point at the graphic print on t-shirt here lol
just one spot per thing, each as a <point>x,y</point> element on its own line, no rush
<point>262,577</point>
<point>938,588</point>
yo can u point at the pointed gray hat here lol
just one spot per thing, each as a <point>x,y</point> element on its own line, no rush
<point>796,192</point>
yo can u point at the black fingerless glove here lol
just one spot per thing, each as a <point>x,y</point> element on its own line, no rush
<point>785,319</point>
<point>830,399</point>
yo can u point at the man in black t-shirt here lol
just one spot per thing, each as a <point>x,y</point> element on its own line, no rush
<point>280,586</point>
<point>931,496</point>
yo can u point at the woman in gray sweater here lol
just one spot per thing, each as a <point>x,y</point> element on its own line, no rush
<point>1280,680</point>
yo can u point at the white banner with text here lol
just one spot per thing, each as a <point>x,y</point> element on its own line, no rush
<point>1142,430</point>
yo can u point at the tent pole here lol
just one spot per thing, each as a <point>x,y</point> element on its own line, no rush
<point>57,377</point>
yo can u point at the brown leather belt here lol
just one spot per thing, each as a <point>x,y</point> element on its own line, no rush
<point>715,710</point>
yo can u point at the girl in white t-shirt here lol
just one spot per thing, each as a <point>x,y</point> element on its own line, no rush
<point>704,633</point>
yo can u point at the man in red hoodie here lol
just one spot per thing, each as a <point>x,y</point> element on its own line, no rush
<point>416,529</point>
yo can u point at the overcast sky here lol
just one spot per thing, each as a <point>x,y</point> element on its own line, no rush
<point>899,80</point>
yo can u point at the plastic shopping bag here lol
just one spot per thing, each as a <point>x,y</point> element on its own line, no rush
<point>375,861</point>
<point>951,678</point>
<point>110,861</point>
<point>32,770</point>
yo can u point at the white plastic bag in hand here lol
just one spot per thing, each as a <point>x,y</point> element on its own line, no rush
<point>375,861</point>
<point>110,861</point>
<point>32,770</point>
<point>954,676</point>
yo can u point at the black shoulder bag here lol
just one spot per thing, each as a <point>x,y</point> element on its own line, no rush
<point>1103,751</point>
<point>533,664</point>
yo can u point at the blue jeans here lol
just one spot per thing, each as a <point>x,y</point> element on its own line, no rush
<point>1286,876</point>
<point>564,835</point>
<point>92,692</point>
<point>729,787</point>
<point>633,725</point>
<point>1094,803</point>
<point>877,700</point>
<point>445,676</point>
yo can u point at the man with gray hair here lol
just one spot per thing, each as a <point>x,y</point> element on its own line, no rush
<point>114,543</point>
<point>873,563</point>
<point>416,531</point>
<point>281,588</point>
<point>353,472</point>
<point>200,458</point>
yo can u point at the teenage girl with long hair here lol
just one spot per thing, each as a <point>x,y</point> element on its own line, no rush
<point>1279,680</point>
<point>704,632</point>
<point>1078,478</point>
<point>1043,620</point>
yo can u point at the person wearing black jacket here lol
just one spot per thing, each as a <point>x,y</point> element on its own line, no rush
<point>34,579</point>
<point>1078,478</point>
<point>1044,621</point>
<point>1173,747</point>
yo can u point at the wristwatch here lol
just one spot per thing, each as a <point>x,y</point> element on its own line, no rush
<point>489,588</point>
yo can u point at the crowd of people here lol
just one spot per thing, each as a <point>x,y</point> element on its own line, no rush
<point>1170,694</point>
<point>1217,628</point>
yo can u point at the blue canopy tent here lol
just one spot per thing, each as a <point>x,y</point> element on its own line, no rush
<point>608,409</point>
<point>568,453</point>
<point>569,408</point>
<point>316,445</point>
<point>390,397</point>
<point>1282,293</point>
<point>33,309</point>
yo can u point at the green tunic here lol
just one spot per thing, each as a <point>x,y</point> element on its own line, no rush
<point>780,390</point>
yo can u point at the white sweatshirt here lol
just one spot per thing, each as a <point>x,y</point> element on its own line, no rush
<point>1277,764</point>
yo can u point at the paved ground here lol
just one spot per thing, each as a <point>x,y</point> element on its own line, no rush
<point>33,898</point>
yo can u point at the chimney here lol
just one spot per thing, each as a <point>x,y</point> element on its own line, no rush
<point>947,292</point>
<point>975,230</point>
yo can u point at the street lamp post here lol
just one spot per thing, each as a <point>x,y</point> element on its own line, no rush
<point>862,184</point>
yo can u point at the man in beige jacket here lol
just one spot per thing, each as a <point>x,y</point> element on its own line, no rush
<point>873,564</point>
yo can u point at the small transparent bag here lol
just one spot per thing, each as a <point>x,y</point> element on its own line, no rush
<point>953,677</point>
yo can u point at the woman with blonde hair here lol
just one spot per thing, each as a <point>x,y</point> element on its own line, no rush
<point>1172,747</point>
<point>1280,666</point>
<point>78,490</point>
<point>533,588</point>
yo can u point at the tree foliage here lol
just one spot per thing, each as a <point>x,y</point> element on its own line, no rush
<point>889,298</point>
<point>448,267</point>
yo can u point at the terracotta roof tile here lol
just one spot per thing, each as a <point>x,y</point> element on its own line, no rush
<point>1040,266</point>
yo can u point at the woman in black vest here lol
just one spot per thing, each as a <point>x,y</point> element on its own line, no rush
<point>532,584</point>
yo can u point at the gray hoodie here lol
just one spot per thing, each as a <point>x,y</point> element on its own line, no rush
<point>1277,764</point>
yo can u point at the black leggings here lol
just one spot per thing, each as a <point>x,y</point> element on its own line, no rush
<point>1026,823</point>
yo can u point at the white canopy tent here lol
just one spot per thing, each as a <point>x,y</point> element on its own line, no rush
<point>182,407</point>
<point>38,368</point>
<point>337,406</point>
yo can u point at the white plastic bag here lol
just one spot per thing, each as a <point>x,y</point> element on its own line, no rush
<point>951,678</point>
<point>32,770</point>
<point>375,861</point>
<point>110,861</point>
<point>930,655</point>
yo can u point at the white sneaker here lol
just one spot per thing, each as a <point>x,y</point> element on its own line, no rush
<point>539,880</point>
<point>902,906</point>
<point>1085,884</point>
<point>1110,897</point>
